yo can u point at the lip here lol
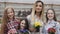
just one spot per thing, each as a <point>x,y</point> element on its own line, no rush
<point>38,9</point>
<point>50,16</point>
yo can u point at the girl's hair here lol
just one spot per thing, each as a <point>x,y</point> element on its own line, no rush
<point>54,18</point>
<point>34,11</point>
<point>26,24</point>
<point>5,19</point>
<point>42,6</point>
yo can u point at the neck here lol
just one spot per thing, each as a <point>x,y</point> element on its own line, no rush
<point>38,15</point>
<point>22,28</point>
<point>50,19</point>
<point>11,19</point>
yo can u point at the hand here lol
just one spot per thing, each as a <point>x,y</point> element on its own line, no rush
<point>12,31</point>
<point>32,29</point>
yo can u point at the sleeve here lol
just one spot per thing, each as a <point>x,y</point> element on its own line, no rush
<point>58,28</point>
<point>57,23</point>
<point>30,22</point>
<point>42,28</point>
<point>28,18</point>
<point>18,31</point>
<point>44,31</point>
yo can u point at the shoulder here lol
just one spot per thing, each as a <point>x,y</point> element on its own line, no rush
<point>17,19</point>
<point>28,16</point>
<point>18,31</point>
<point>57,22</point>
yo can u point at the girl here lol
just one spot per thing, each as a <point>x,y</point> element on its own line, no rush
<point>9,23</point>
<point>36,16</point>
<point>24,27</point>
<point>51,20</point>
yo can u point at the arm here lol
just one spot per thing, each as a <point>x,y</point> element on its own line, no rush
<point>29,21</point>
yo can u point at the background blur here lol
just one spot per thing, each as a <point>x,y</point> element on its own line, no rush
<point>23,7</point>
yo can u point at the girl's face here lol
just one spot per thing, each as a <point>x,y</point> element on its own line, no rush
<point>38,7</point>
<point>22,24</point>
<point>10,13</point>
<point>50,14</point>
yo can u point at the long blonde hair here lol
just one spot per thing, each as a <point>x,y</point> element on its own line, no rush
<point>5,19</point>
<point>33,10</point>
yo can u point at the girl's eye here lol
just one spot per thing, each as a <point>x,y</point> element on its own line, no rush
<point>36,5</point>
<point>7,12</point>
<point>51,13</point>
<point>22,23</point>
<point>47,13</point>
<point>40,6</point>
<point>11,12</point>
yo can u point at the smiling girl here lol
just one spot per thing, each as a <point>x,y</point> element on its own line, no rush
<point>51,21</point>
<point>9,23</point>
<point>36,16</point>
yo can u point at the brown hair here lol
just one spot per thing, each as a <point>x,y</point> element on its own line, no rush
<point>5,19</point>
<point>54,15</point>
<point>26,24</point>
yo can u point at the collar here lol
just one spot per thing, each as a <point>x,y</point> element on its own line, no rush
<point>51,21</point>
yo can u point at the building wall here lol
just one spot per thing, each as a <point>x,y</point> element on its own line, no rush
<point>27,5</point>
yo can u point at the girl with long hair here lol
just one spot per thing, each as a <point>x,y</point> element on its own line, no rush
<point>9,23</point>
<point>36,16</point>
<point>51,21</point>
